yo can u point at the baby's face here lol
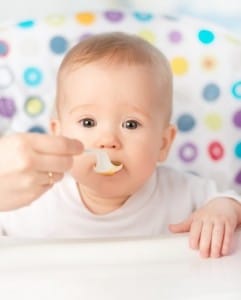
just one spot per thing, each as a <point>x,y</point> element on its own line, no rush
<point>117,108</point>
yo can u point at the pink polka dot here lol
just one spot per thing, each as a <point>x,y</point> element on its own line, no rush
<point>215,150</point>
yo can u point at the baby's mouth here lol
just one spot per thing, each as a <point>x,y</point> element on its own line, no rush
<point>110,169</point>
<point>104,165</point>
<point>116,163</point>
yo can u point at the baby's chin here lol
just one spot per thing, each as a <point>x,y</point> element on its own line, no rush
<point>105,187</point>
<point>105,194</point>
<point>119,185</point>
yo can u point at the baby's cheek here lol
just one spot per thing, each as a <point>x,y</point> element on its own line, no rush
<point>144,166</point>
<point>79,168</point>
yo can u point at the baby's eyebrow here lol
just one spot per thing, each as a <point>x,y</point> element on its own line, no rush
<point>139,110</point>
<point>80,106</point>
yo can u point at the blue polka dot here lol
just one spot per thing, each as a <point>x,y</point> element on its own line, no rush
<point>211,92</point>
<point>237,150</point>
<point>58,44</point>
<point>143,17</point>
<point>236,90</point>
<point>206,36</point>
<point>26,24</point>
<point>33,76</point>
<point>186,122</point>
<point>37,129</point>
<point>3,48</point>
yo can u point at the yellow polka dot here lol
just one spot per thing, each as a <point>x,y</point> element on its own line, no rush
<point>213,121</point>
<point>148,35</point>
<point>34,106</point>
<point>179,65</point>
<point>55,20</point>
<point>209,63</point>
<point>3,28</point>
<point>85,18</point>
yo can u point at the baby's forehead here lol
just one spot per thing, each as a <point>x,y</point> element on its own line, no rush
<point>156,72</point>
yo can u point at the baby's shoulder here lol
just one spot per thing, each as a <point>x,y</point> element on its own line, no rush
<point>177,178</point>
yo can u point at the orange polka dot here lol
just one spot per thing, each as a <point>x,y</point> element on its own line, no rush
<point>179,65</point>
<point>85,18</point>
<point>209,63</point>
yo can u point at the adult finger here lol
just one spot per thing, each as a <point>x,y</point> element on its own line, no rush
<point>48,178</point>
<point>59,145</point>
<point>53,163</point>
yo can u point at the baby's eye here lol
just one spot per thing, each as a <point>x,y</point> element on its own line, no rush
<point>88,122</point>
<point>131,124</point>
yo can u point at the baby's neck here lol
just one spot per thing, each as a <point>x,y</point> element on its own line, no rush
<point>100,205</point>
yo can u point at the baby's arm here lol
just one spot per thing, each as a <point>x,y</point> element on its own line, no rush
<point>212,226</point>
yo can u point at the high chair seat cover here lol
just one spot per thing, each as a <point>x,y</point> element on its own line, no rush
<point>206,63</point>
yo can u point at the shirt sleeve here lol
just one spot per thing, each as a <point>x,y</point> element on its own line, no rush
<point>204,190</point>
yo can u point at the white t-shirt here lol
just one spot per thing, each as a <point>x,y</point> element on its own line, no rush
<point>168,197</point>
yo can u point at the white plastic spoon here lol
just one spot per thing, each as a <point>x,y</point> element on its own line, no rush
<point>103,165</point>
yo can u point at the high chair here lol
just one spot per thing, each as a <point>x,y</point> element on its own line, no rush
<point>206,64</point>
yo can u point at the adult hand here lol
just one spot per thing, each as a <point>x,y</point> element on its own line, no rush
<point>30,164</point>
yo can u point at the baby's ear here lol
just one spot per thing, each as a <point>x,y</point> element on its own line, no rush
<point>168,137</point>
<point>55,128</point>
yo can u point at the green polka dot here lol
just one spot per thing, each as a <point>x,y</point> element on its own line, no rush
<point>213,121</point>
<point>148,35</point>
<point>34,106</point>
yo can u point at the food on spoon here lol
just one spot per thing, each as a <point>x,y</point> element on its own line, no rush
<point>104,165</point>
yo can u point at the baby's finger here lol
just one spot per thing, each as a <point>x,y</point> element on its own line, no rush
<point>217,240</point>
<point>205,239</point>
<point>195,233</point>
<point>228,234</point>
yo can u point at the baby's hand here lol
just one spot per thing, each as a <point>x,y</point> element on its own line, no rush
<point>211,227</point>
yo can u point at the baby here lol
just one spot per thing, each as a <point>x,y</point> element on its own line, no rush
<point>114,92</point>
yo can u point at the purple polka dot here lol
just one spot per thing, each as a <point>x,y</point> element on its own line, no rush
<point>237,119</point>
<point>175,36</point>
<point>7,107</point>
<point>85,36</point>
<point>114,16</point>
<point>188,152</point>
<point>238,178</point>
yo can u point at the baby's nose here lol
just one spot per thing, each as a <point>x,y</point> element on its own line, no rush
<point>109,141</point>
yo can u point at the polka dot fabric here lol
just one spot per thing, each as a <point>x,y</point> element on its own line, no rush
<point>205,60</point>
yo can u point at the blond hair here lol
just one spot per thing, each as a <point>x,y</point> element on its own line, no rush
<point>119,48</point>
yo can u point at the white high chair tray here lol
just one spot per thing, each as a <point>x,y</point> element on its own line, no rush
<point>155,269</point>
